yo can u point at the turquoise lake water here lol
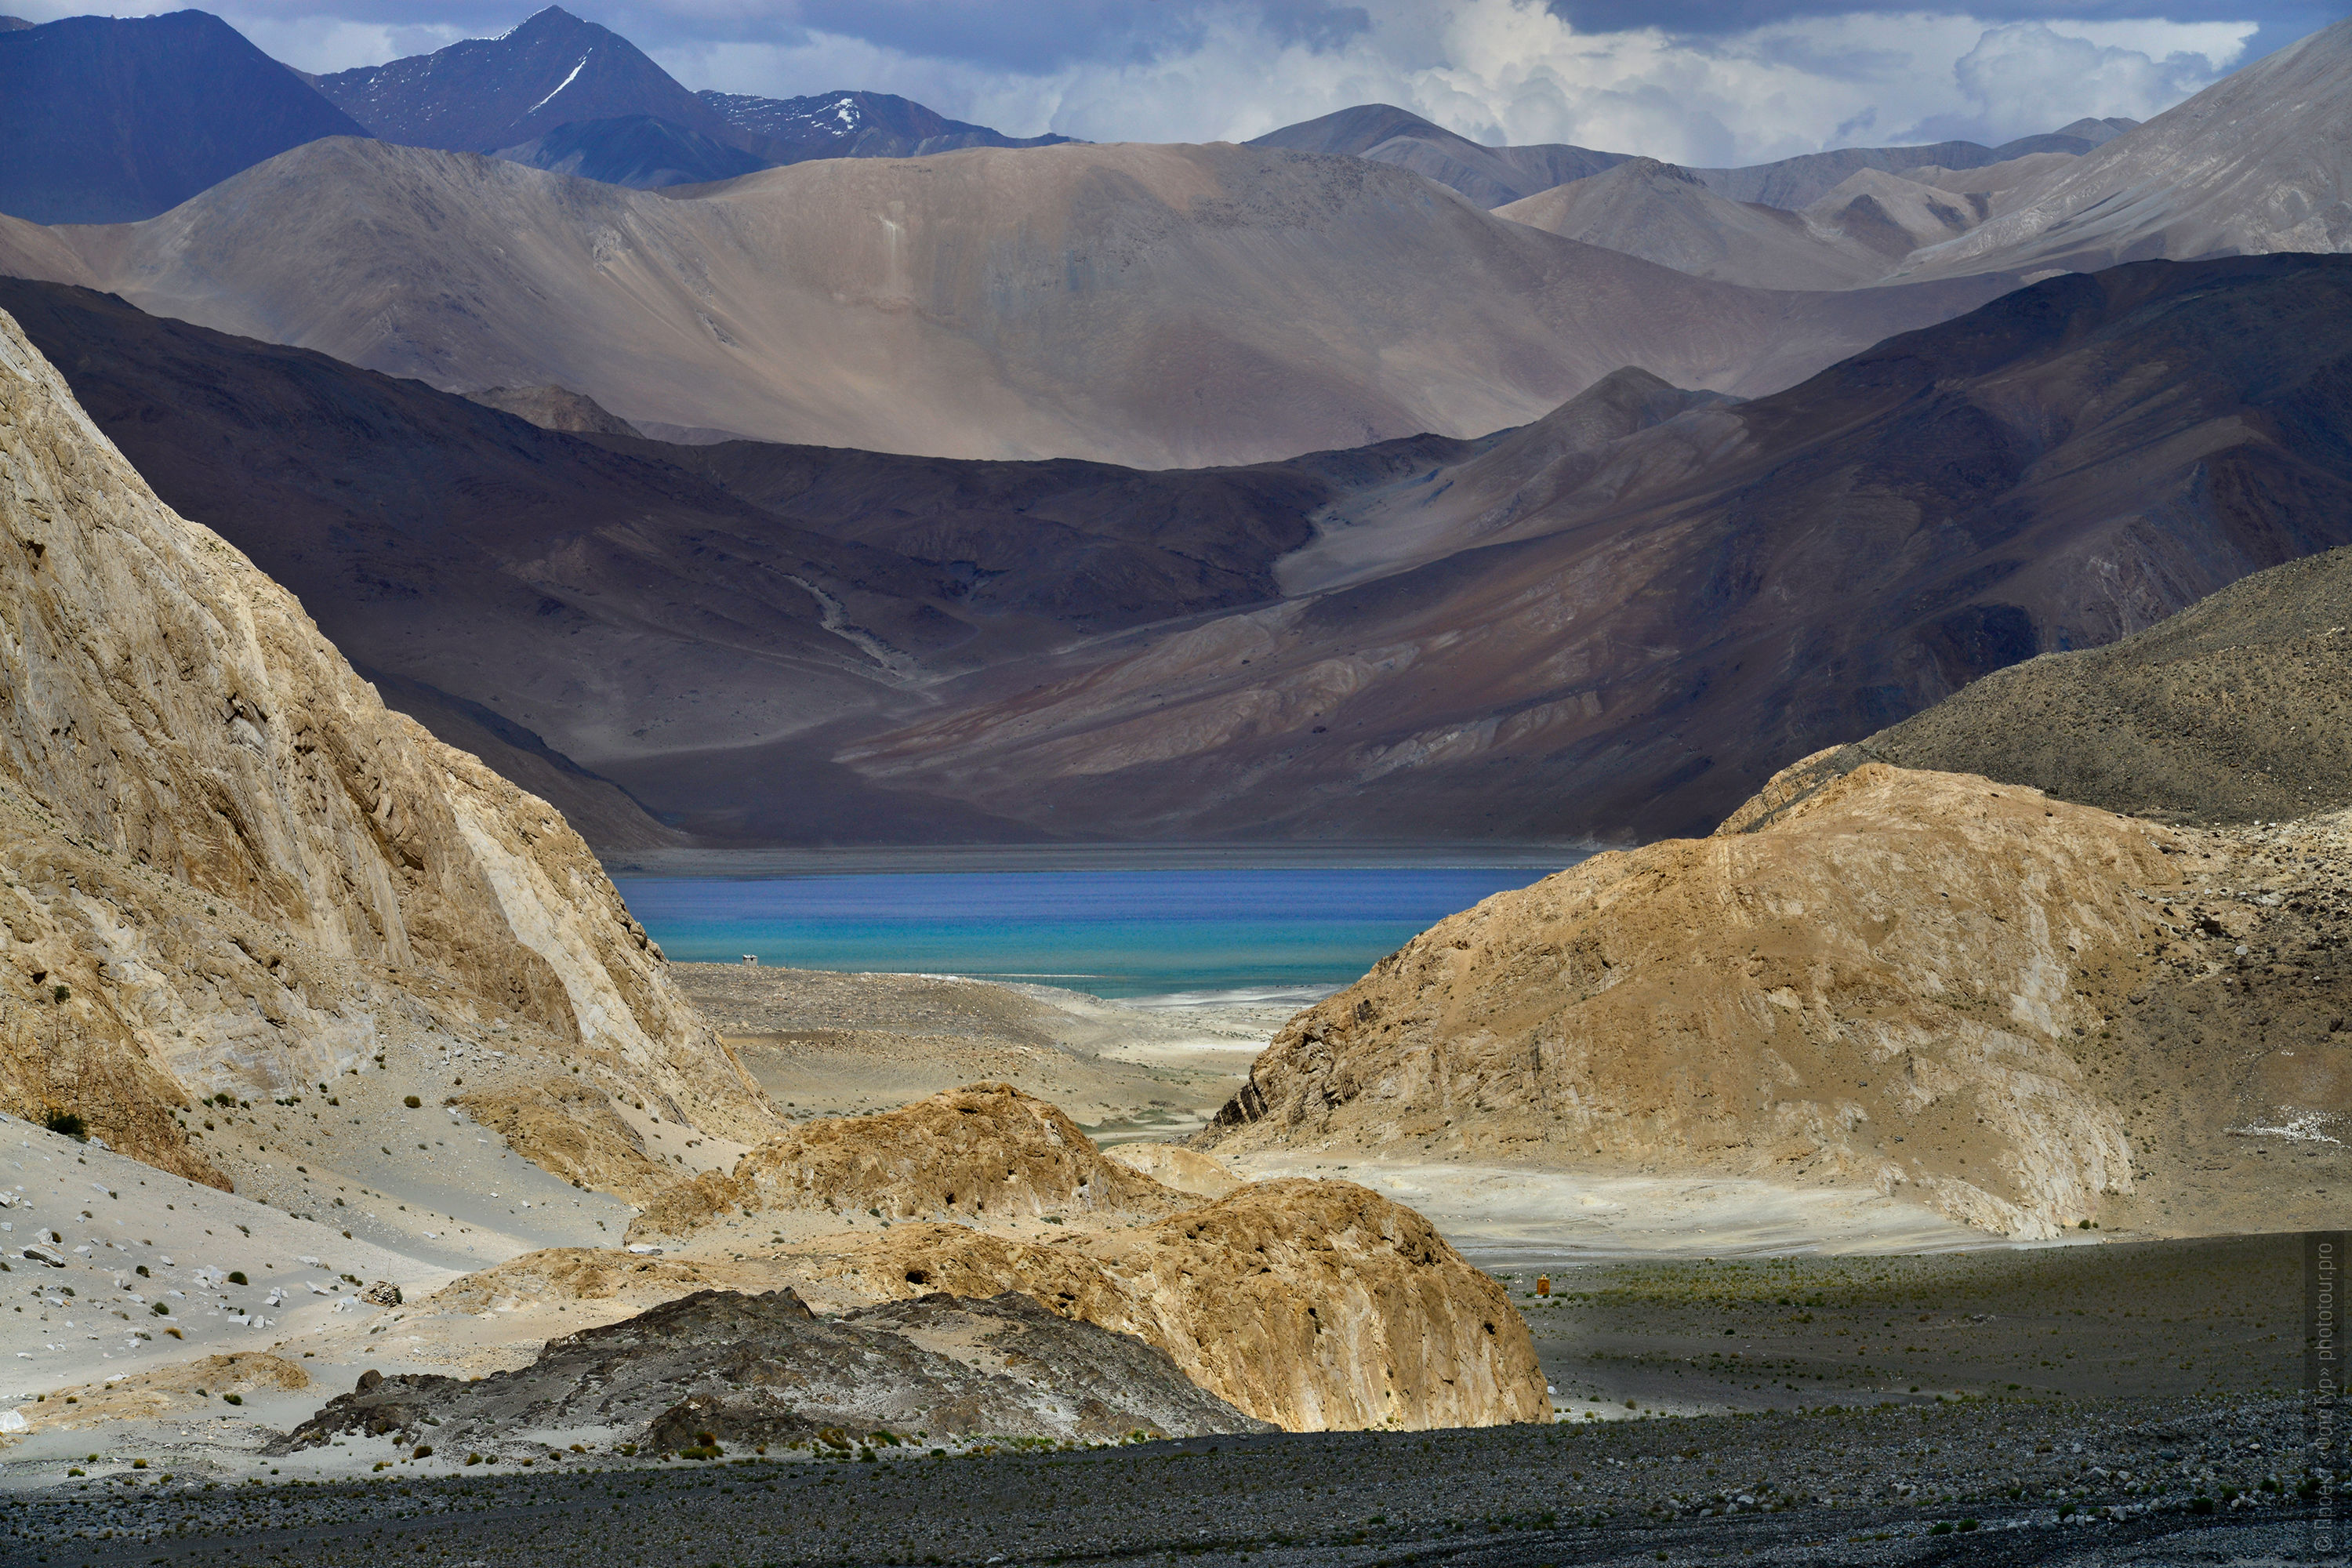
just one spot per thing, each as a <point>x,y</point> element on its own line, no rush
<point>1112,932</point>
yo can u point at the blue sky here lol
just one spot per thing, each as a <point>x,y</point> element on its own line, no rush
<point>1699,81</point>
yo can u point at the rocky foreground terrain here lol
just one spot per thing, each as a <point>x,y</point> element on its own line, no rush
<point>2006,1482</point>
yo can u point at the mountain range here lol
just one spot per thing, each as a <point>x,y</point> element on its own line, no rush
<point>113,120</point>
<point>1150,305</point>
<point>1618,618</point>
<point>1496,177</point>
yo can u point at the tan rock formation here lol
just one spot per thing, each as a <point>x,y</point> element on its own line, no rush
<point>1903,979</point>
<point>986,1153</point>
<point>164,1391</point>
<point>227,866</point>
<point>1315,1305</point>
<point>1173,1165</point>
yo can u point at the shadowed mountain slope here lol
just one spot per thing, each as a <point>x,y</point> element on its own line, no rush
<point>1616,619</point>
<point>112,119</point>
<point>1156,306</point>
<point>1731,589</point>
<point>505,582</point>
<point>637,151</point>
<point>553,601</point>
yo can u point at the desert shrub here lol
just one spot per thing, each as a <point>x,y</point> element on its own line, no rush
<point>236,1276</point>
<point>68,1122</point>
<point>412,1102</point>
<point>232,1398</point>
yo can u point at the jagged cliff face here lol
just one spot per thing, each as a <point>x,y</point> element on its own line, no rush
<point>1904,979</point>
<point>243,872</point>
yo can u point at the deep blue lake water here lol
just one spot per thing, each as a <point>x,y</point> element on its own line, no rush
<point>1112,932</point>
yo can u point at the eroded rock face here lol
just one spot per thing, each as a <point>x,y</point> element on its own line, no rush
<point>725,1367</point>
<point>1891,982</point>
<point>986,1153</point>
<point>1315,1305</point>
<point>229,867</point>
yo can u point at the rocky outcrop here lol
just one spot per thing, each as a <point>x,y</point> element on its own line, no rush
<point>1879,987</point>
<point>985,1153</point>
<point>229,869</point>
<point>1315,1305</point>
<point>716,1368</point>
<point>2030,1015</point>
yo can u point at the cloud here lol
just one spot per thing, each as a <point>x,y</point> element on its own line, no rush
<point>2017,72</point>
<point>1697,82</point>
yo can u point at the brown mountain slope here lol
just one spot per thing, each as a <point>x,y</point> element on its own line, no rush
<point>2239,709</point>
<point>2028,1014</point>
<point>1148,305</point>
<point>232,869</point>
<point>1646,642</point>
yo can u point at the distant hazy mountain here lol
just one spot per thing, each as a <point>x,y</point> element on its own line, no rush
<point>635,150</point>
<point>1488,175</point>
<point>110,120</point>
<point>1159,306</point>
<point>1665,214</point>
<point>851,125</point>
<point>2260,161</point>
<point>1494,176</point>
<point>1795,182</point>
<point>483,94</point>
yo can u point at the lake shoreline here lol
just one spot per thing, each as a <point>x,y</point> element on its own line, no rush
<point>877,859</point>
